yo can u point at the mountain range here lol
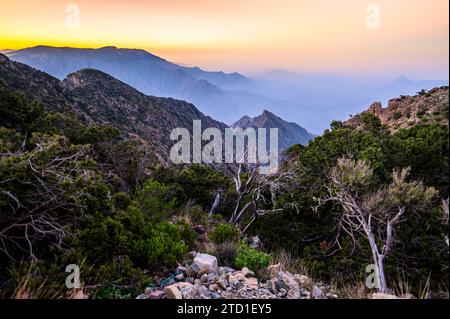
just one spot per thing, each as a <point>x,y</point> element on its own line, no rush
<point>311,100</point>
<point>217,94</point>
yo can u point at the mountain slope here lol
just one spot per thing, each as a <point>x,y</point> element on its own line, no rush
<point>289,133</point>
<point>215,93</point>
<point>406,111</point>
<point>98,98</point>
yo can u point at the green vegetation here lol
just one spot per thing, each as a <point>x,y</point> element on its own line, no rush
<point>72,193</point>
<point>251,258</point>
<point>223,233</point>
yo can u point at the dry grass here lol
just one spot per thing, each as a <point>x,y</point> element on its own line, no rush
<point>402,287</point>
<point>289,262</point>
<point>24,289</point>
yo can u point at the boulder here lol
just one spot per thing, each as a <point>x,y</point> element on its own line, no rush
<point>204,263</point>
<point>172,292</point>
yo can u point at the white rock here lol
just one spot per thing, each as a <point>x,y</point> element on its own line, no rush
<point>204,263</point>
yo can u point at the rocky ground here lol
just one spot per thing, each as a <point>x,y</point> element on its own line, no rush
<point>203,279</point>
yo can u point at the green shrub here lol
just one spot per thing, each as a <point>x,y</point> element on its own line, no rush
<point>223,233</point>
<point>188,236</point>
<point>162,245</point>
<point>251,258</point>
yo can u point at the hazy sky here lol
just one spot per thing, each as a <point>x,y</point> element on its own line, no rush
<point>248,35</point>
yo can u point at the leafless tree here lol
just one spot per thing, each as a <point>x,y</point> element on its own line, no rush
<point>374,214</point>
<point>36,201</point>
<point>257,194</point>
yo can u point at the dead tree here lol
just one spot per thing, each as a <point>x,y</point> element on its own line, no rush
<point>374,214</point>
<point>257,195</point>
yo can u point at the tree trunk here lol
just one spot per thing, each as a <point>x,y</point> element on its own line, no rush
<point>378,261</point>
<point>381,275</point>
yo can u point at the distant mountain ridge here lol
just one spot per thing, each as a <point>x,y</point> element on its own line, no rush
<point>289,133</point>
<point>97,98</point>
<point>215,93</point>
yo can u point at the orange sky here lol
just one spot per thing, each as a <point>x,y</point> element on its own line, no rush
<point>248,35</point>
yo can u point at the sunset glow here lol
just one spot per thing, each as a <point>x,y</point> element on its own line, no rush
<point>248,36</point>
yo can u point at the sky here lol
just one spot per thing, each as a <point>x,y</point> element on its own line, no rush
<point>409,37</point>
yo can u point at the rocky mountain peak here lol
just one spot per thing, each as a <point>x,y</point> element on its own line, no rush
<point>289,133</point>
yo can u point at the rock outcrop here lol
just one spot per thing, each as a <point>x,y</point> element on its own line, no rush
<point>406,111</point>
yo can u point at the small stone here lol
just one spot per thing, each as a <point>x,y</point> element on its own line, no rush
<point>148,290</point>
<point>179,277</point>
<point>213,287</point>
<point>172,292</point>
<point>142,296</point>
<point>225,270</point>
<point>204,278</point>
<point>272,285</point>
<point>188,291</point>
<point>222,281</point>
<point>211,277</point>
<point>181,269</point>
<point>317,293</point>
<point>251,282</point>
<point>184,284</point>
<point>157,294</point>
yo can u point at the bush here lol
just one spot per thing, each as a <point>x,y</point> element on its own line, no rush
<point>223,233</point>
<point>188,236</point>
<point>251,258</point>
<point>162,245</point>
